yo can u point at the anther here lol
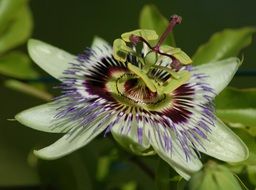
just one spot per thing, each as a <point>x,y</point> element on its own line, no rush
<point>134,39</point>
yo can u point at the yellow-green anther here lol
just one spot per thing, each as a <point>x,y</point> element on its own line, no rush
<point>183,57</point>
<point>149,35</point>
<point>172,83</point>
<point>151,58</point>
<point>120,50</point>
<point>174,74</point>
<point>178,54</point>
<point>137,71</point>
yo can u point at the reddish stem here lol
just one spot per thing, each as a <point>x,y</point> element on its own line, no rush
<point>175,19</point>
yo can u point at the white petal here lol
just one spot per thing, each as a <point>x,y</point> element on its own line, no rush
<point>176,157</point>
<point>101,48</point>
<point>145,49</point>
<point>220,73</point>
<point>73,140</point>
<point>99,42</point>
<point>224,144</point>
<point>40,118</point>
<point>183,174</point>
<point>129,137</point>
<point>51,59</point>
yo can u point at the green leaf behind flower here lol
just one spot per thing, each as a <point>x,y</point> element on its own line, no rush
<point>246,117</point>
<point>250,142</point>
<point>151,18</point>
<point>238,108</point>
<point>224,44</point>
<point>8,10</point>
<point>252,174</point>
<point>17,30</point>
<point>17,65</point>
<point>232,98</point>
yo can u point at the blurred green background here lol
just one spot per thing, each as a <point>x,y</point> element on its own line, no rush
<point>71,25</point>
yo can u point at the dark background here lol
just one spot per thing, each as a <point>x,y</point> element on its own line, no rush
<point>71,25</point>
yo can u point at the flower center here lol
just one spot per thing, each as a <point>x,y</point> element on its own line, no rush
<point>150,59</point>
<point>137,84</point>
<point>131,87</point>
<point>136,90</point>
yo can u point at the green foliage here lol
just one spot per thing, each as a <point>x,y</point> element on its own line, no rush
<point>8,10</point>
<point>250,141</point>
<point>213,177</point>
<point>252,174</point>
<point>238,108</point>
<point>151,18</point>
<point>221,45</point>
<point>244,117</point>
<point>232,98</point>
<point>16,30</point>
<point>17,65</point>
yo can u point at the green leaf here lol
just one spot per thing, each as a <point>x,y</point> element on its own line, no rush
<point>246,117</point>
<point>17,31</point>
<point>221,45</point>
<point>237,107</point>
<point>162,175</point>
<point>28,89</point>
<point>8,10</point>
<point>17,65</point>
<point>230,98</point>
<point>252,174</point>
<point>250,142</point>
<point>151,18</point>
<point>213,177</point>
<point>129,186</point>
<point>103,167</point>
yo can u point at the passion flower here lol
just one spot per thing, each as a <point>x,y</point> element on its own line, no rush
<point>148,96</point>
